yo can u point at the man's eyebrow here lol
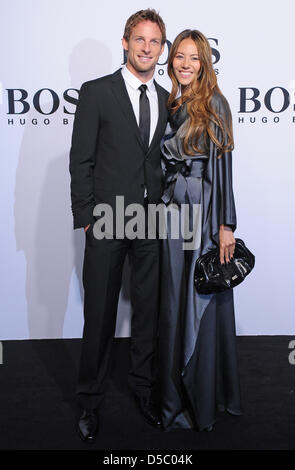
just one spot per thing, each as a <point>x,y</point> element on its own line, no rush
<point>137,36</point>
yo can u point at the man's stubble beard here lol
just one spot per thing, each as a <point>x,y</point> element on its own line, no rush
<point>142,70</point>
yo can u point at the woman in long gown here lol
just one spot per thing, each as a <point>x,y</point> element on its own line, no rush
<point>197,338</point>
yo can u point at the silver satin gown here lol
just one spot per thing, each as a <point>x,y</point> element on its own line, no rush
<point>197,338</point>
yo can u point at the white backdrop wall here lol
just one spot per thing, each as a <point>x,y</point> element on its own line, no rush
<point>59,44</point>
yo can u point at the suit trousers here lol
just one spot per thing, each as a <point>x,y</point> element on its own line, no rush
<point>102,276</point>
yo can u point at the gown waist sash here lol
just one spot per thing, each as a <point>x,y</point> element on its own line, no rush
<point>179,180</point>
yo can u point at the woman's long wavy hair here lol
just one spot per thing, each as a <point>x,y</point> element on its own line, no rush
<point>198,98</point>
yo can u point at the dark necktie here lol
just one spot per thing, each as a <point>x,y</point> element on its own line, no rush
<point>144,117</point>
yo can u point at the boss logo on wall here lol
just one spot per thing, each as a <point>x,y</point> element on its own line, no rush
<point>45,102</point>
<point>257,105</point>
<point>26,108</point>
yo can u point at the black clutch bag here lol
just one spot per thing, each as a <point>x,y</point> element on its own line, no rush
<point>211,276</point>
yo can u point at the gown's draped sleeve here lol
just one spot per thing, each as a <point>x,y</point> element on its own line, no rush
<point>218,186</point>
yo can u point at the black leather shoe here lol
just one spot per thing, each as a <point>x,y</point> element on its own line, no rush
<point>87,425</point>
<point>209,428</point>
<point>149,410</point>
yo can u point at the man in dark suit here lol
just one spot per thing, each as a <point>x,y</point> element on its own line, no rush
<point>115,151</point>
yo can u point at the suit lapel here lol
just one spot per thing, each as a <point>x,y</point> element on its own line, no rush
<point>162,119</point>
<point>121,94</point>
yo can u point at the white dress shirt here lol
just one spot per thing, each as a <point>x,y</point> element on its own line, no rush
<point>132,84</point>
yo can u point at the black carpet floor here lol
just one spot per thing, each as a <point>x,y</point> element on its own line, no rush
<point>38,410</point>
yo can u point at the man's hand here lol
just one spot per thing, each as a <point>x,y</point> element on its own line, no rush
<point>86,228</point>
<point>227,243</point>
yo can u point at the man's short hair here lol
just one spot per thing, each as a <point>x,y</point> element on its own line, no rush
<point>144,15</point>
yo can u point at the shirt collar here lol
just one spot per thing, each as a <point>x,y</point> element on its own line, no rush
<point>134,82</point>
